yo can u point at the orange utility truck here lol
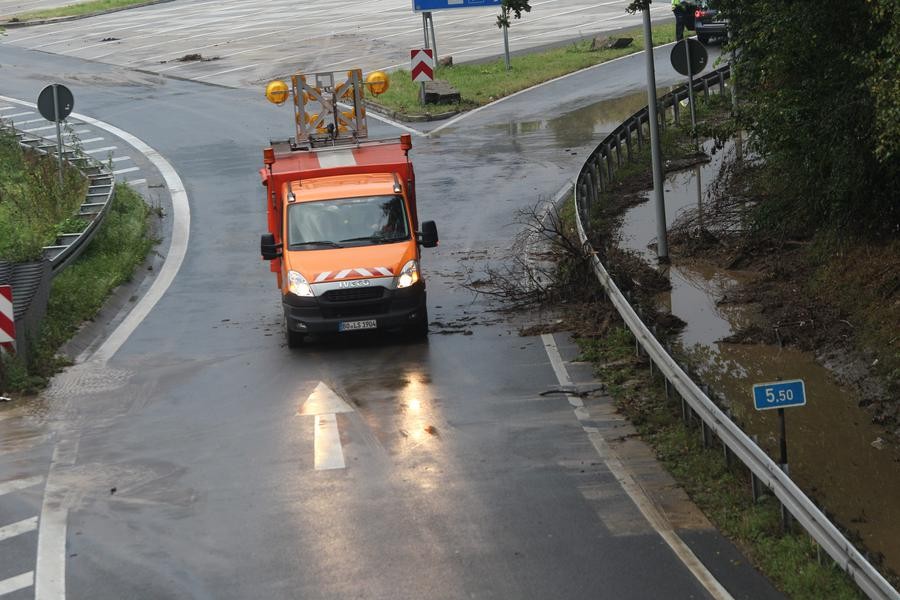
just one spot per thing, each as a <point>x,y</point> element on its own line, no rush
<point>344,239</point>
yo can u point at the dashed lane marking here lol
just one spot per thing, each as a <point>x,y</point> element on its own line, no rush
<point>103,149</point>
<point>630,485</point>
<point>14,485</point>
<point>23,526</point>
<point>126,170</point>
<point>14,584</point>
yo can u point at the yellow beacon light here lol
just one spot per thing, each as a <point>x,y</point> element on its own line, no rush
<point>378,82</point>
<point>277,92</point>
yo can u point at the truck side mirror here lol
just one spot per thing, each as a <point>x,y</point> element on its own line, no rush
<point>268,248</point>
<point>429,235</point>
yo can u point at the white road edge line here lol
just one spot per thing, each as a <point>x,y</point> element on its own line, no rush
<point>14,529</point>
<point>50,583</point>
<point>631,486</point>
<point>14,584</point>
<point>467,114</point>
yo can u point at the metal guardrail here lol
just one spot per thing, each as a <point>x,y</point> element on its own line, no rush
<point>101,186</point>
<point>594,177</point>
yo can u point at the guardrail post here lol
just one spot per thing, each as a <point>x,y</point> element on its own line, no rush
<point>676,112</point>
<point>618,150</point>
<point>640,133</point>
<point>609,164</point>
<point>721,82</point>
<point>786,519</point>
<point>755,488</point>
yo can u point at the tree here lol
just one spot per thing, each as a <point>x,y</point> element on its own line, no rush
<point>822,101</point>
<point>507,7</point>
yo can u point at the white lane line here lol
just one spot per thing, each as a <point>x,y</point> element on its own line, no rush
<point>116,159</point>
<point>23,526</point>
<point>36,129</point>
<point>21,114</point>
<point>103,149</point>
<point>181,228</point>
<point>245,67</point>
<point>329,453</point>
<point>14,584</point>
<point>29,121</point>
<point>6,108</point>
<point>14,485</point>
<point>475,111</point>
<point>632,487</point>
<point>50,583</point>
<point>91,140</point>
<point>128,170</point>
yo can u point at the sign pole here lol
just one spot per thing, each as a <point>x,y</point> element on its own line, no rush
<point>433,39</point>
<point>662,245</point>
<point>59,144</point>
<point>783,458</point>
<point>687,50</point>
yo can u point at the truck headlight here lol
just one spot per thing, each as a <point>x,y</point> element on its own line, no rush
<point>297,284</point>
<point>409,274</point>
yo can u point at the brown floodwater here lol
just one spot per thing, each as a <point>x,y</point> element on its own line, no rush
<point>836,454</point>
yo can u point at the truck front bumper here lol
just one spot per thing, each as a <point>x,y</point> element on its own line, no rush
<point>391,309</point>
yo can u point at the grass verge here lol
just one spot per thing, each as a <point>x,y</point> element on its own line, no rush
<point>34,207</point>
<point>79,292</point>
<point>80,8</point>
<point>721,491</point>
<point>481,83</point>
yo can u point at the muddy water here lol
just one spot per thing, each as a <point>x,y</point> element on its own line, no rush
<point>579,127</point>
<point>834,451</point>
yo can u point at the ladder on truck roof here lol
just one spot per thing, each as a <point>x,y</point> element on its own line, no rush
<point>318,112</point>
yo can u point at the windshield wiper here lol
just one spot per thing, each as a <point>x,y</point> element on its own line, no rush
<point>374,239</point>
<point>317,243</point>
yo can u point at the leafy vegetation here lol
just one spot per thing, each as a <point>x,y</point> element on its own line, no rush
<point>33,205</point>
<point>79,292</point>
<point>481,83</point>
<point>80,8</point>
<point>820,89</point>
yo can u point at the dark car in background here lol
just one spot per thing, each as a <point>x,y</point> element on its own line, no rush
<point>708,24</point>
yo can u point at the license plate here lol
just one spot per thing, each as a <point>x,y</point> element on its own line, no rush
<point>356,325</point>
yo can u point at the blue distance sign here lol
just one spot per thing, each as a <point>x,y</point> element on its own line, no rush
<point>779,394</point>
<point>429,5</point>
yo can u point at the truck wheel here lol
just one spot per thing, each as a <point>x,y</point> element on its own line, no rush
<point>293,338</point>
<point>419,331</point>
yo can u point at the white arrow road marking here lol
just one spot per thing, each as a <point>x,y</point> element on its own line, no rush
<point>324,404</point>
<point>329,453</point>
<point>14,584</point>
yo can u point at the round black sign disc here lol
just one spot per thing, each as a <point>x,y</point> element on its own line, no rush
<point>699,56</point>
<point>63,96</point>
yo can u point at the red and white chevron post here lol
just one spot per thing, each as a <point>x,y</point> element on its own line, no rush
<point>422,64</point>
<point>7,320</point>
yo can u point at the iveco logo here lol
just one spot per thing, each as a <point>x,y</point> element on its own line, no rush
<point>355,283</point>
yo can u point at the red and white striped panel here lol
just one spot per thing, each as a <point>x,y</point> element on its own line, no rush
<point>353,274</point>
<point>7,320</point>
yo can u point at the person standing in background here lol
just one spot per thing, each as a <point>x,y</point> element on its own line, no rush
<point>680,9</point>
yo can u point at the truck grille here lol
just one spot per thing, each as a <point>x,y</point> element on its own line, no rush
<point>352,294</point>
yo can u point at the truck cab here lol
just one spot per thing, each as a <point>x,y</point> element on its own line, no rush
<point>344,239</point>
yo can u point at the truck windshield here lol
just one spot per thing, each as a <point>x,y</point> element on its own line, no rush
<point>347,222</point>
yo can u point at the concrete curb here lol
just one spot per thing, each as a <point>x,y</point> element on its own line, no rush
<point>16,24</point>
<point>405,118</point>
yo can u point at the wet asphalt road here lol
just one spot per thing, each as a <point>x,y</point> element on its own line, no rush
<point>194,475</point>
